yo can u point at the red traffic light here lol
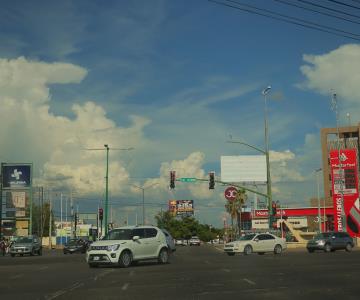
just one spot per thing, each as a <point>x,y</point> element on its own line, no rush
<point>101,213</point>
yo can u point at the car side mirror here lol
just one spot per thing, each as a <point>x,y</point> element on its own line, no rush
<point>256,240</point>
<point>136,238</point>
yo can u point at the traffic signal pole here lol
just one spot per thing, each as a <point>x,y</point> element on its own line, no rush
<point>106,189</point>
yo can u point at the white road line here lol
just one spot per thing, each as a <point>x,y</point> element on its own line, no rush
<point>207,262</point>
<point>43,268</point>
<point>125,286</point>
<point>249,281</point>
<point>64,291</point>
<point>226,270</point>
<point>17,276</point>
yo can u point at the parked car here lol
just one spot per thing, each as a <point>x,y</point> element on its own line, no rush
<point>125,245</point>
<point>331,241</point>
<point>194,241</point>
<point>179,243</point>
<point>26,245</point>
<point>256,242</point>
<point>75,246</point>
<point>169,240</point>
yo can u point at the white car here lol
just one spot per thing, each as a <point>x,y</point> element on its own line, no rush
<point>194,241</point>
<point>256,242</point>
<point>124,245</point>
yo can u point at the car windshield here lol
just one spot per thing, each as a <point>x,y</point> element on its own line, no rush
<point>246,237</point>
<point>22,240</point>
<point>72,243</point>
<point>320,236</point>
<point>119,234</point>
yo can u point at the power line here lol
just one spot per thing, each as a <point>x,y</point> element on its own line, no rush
<point>314,27</point>
<point>316,11</point>
<point>328,8</point>
<point>344,4</point>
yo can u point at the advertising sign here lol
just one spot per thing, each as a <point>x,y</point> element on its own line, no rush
<point>181,207</point>
<point>230,193</point>
<point>15,204</point>
<point>243,168</point>
<point>16,176</point>
<point>344,176</point>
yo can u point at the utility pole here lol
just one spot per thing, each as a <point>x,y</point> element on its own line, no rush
<point>50,220</point>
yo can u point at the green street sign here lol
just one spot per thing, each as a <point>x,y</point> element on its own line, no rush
<point>185,179</point>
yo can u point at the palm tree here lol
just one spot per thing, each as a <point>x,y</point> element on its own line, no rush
<point>234,209</point>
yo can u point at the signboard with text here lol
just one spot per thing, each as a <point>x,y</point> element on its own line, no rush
<point>344,177</point>
<point>16,176</point>
<point>181,207</point>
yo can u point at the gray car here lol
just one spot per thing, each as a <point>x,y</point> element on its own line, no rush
<point>26,245</point>
<point>331,241</point>
<point>169,240</point>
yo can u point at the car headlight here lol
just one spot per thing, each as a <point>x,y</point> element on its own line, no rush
<point>113,247</point>
<point>321,242</point>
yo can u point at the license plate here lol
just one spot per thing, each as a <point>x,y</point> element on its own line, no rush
<point>96,258</point>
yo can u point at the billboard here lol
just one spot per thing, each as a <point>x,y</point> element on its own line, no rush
<point>16,176</point>
<point>243,168</point>
<point>15,204</point>
<point>181,207</point>
<point>344,177</point>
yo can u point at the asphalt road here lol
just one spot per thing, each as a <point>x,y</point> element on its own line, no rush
<point>194,273</point>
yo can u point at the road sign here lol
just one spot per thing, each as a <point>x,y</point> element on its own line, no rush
<point>230,193</point>
<point>187,179</point>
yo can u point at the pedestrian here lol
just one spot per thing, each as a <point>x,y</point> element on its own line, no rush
<point>2,247</point>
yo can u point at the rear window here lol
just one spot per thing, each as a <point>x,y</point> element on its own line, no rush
<point>119,234</point>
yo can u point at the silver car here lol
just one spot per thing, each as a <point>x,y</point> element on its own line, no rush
<point>26,245</point>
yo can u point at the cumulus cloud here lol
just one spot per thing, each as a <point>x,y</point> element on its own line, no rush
<point>56,144</point>
<point>281,169</point>
<point>337,70</point>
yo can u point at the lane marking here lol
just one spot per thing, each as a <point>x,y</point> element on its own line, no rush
<point>64,291</point>
<point>102,274</point>
<point>249,281</point>
<point>226,270</point>
<point>207,262</point>
<point>125,286</point>
<point>17,276</point>
<point>43,268</point>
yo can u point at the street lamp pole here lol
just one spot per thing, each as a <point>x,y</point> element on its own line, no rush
<point>142,188</point>
<point>268,175</point>
<point>317,171</point>
<point>106,189</point>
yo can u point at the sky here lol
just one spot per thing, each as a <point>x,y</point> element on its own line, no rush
<point>174,80</point>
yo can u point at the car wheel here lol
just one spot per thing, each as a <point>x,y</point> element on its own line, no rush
<point>125,259</point>
<point>40,252</point>
<point>278,249</point>
<point>248,250</point>
<point>261,253</point>
<point>348,247</point>
<point>231,254</point>
<point>163,257</point>
<point>32,253</point>
<point>327,248</point>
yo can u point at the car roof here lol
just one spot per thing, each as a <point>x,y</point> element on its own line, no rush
<point>136,226</point>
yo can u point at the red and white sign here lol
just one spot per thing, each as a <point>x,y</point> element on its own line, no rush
<point>230,193</point>
<point>344,176</point>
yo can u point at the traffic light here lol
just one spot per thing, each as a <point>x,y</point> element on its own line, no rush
<point>101,214</point>
<point>273,208</point>
<point>172,179</point>
<point>211,180</point>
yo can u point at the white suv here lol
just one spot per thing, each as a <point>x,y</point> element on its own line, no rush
<point>125,245</point>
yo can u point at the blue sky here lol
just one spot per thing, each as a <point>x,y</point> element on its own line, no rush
<point>172,79</point>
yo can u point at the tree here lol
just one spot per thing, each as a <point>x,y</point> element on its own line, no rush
<point>41,219</point>
<point>234,209</point>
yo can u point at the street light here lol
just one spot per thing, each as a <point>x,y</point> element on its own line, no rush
<point>107,148</point>
<point>265,92</point>
<point>317,171</point>
<point>143,188</point>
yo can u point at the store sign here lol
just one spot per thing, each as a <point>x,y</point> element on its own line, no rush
<point>344,175</point>
<point>16,176</point>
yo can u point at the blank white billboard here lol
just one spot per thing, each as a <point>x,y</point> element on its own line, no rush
<point>243,168</point>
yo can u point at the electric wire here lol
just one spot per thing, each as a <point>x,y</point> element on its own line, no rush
<point>344,4</point>
<point>288,20</point>
<point>316,11</point>
<point>328,8</point>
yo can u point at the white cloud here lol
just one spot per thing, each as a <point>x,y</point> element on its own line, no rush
<point>337,70</point>
<point>280,168</point>
<point>55,143</point>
